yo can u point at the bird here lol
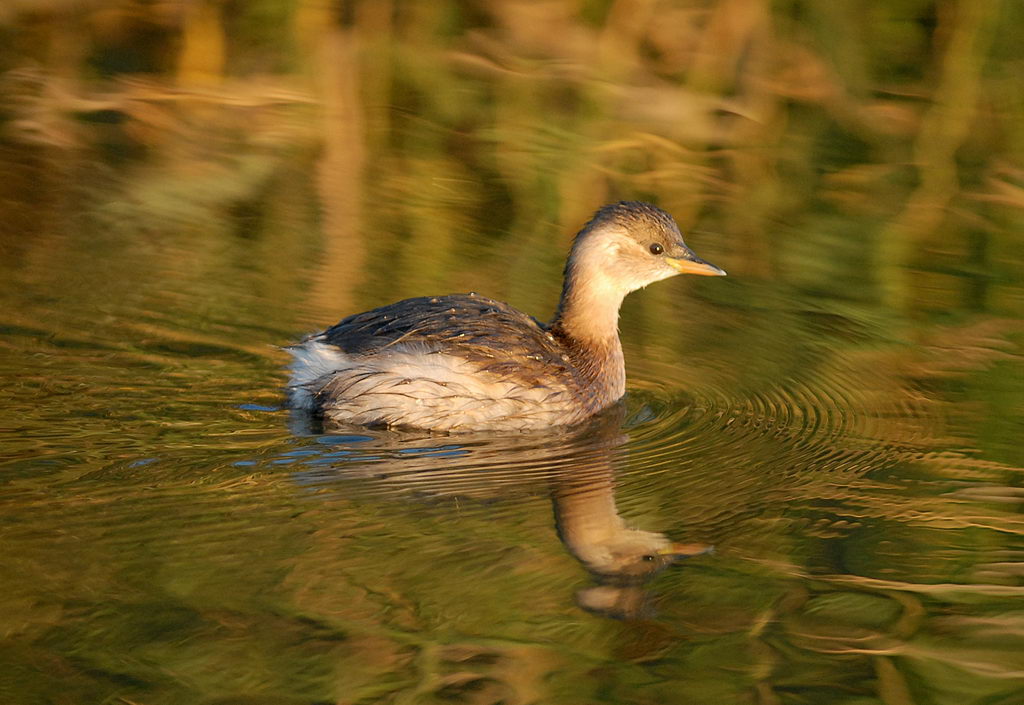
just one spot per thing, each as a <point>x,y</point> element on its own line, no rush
<point>465,362</point>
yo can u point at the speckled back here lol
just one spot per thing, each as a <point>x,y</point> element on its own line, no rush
<point>498,338</point>
<point>449,363</point>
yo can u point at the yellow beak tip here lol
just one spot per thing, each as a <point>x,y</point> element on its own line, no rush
<point>698,267</point>
<point>686,550</point>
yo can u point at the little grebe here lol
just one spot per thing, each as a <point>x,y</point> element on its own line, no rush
<point>466,362</point>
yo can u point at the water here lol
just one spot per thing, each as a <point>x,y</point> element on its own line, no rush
<point>839,419</point>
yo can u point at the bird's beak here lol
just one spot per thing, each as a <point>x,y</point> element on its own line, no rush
<point>678,551</point>
<point>688,262</point>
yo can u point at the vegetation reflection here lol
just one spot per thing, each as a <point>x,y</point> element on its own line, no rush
<point>188,184</point>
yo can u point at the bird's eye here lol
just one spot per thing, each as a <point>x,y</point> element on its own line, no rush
<point>656,248</point>
<point>649,557</point>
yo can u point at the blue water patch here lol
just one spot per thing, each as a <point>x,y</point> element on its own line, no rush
<point>333,457</point>
<point>301,452</point>
<point>258,407</point>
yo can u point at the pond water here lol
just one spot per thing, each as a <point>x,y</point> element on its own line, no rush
<point>832,433</point>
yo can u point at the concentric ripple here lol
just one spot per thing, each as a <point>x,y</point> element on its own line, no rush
<point>710,441</point>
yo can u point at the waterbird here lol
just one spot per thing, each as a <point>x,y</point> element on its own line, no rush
<point>465,362</point>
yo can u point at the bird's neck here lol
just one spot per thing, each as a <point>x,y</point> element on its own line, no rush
<point>587,323</point>
<point>589,307</point>
<point>590,525</point>
<point>586,513</point>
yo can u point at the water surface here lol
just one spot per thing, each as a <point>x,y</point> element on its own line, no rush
<point>840,418</point>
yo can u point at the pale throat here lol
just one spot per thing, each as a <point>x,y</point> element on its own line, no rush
<point>589,309</point>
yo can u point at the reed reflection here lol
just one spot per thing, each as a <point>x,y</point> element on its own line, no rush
<point>575,467</point>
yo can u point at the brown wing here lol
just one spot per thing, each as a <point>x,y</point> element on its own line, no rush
<point>499,338</point>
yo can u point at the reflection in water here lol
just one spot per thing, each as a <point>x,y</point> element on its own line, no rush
<point>622,559</point>
<point>575,466</point>
<point>188,184</point>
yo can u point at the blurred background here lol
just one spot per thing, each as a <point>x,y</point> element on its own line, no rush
<point>187,184</point>
<point>819,142</point>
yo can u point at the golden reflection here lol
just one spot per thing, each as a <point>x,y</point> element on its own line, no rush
<point>340,172</point>
<point>574,466</point>
<point>190,183</point>
<point>621,558</point>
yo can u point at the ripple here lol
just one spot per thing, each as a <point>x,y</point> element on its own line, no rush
<point>793,425</point>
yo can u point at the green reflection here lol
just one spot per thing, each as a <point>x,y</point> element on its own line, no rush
<point>188,185</point>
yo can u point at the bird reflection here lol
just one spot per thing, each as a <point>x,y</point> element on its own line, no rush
<point>574,466</point>
<point>621,559</point>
